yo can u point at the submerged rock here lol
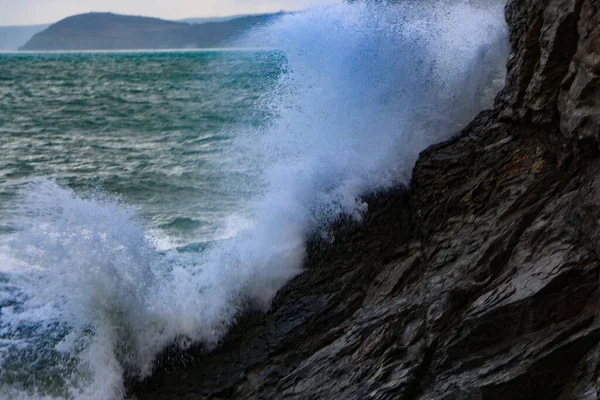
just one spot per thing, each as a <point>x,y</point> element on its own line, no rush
<point>480,281</point>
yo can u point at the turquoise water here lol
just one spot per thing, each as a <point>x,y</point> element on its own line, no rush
<point>153,128</point>
<point>147,199</point>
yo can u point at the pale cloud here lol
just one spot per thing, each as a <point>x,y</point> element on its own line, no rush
<point>22,12</point>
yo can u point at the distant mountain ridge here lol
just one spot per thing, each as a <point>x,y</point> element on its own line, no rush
<point>108,31</point>
<point>203,20</point>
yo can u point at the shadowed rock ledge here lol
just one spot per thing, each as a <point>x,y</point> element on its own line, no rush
<point>480,281</point>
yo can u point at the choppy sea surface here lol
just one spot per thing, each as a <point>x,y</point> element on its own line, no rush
<point>148,198</point>
<point>152,128</point>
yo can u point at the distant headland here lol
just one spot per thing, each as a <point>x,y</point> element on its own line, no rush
<point>108,31</point>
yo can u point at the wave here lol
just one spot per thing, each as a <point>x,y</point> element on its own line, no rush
<point>88,299</point>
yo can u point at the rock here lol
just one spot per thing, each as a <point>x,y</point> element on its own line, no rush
<point>480,281</point>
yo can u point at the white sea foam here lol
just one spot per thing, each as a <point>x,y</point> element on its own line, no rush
<point>366,89</point>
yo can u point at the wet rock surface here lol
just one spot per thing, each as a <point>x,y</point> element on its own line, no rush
<point>480,281</point>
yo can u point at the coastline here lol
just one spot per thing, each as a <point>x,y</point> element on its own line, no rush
<point>478,281</point>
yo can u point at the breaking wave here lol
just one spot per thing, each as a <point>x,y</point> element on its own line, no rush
<point>88,299</point>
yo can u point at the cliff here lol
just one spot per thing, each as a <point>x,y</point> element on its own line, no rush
<point>480,281</point>
<point>106,31</point>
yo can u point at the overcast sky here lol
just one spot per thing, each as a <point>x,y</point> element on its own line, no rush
<point>26,12</point>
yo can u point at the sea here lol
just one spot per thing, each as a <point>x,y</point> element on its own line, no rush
<point>147,199</point>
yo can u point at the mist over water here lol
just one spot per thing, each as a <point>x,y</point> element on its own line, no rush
<point>87,296</point>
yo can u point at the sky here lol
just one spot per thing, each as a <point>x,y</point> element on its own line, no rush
<point>29,12</point>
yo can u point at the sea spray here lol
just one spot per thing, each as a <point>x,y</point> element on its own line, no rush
<point>87,298</point>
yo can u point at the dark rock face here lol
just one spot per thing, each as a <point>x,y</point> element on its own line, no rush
<point>478,282</point>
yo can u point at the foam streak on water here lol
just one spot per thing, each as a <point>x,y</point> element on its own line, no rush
<point>87,297</point>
